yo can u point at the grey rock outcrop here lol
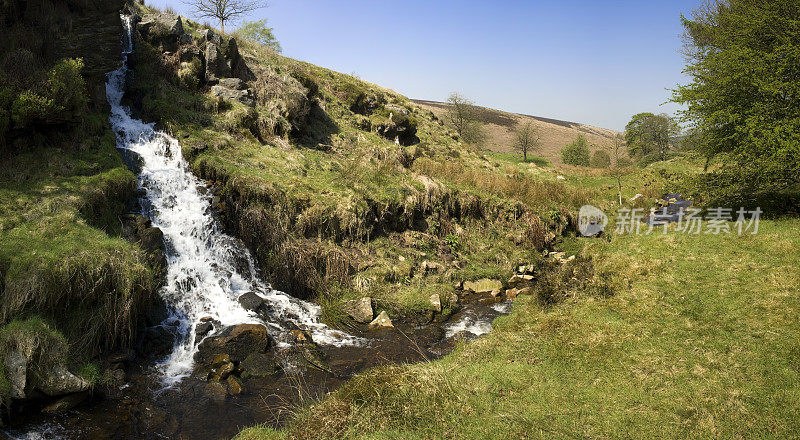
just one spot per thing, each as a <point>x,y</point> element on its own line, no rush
<point>242,96</point>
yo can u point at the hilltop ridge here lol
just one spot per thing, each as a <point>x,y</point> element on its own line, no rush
<point>555,133</point>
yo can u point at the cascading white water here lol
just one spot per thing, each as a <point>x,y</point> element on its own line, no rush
<point>202,279</point>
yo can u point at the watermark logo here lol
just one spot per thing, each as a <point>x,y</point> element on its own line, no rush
<point>591,221</point>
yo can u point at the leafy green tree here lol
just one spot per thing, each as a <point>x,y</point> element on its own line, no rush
<point>257,31</point>
<point>648,133</point>
<point>601,159</point>
<point>577,153</point>
<point>744,94</point>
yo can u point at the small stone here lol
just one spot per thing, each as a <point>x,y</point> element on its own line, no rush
<point>520,280</point>
<point>495,293</point>
<point>301,337</point>
<point>514,293</point>
<point>360,310</point>
<point>382,321</point>
<point>234,386</point>
<point>436,302</point>
<point>65,403</point>
<point>431,268</point>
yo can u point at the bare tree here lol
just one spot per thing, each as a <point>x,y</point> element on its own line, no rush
<point>621,163</point>
<point>224,10</point>
<point>463,116</point>
<point>526,138</point>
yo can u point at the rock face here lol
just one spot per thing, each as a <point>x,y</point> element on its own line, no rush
<point>89,30</point>
<point>161,28</point>
<point>360,310</point>
<point>216,66</point>
<point>58,381</point>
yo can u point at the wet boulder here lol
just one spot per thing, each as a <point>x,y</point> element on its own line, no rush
<point>237,342</point>
<point>65,403</point>
<point>259,365</point>
<point>360,310</point>
<point>58,381</point>
<point>157,341</point>
<point>252,302</point>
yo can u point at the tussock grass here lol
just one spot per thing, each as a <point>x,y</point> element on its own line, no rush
<point>699,341</point>
<point>60,257</point>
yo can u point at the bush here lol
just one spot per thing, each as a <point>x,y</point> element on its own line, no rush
<point>258,32</point>
<point>57,98</point>
<point>601,159</point>
<point>576,153</point>
<point>29,108</point>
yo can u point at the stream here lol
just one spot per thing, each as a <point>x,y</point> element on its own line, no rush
<point>207,272</point>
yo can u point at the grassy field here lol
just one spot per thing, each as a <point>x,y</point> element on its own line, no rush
<point>699,341</point>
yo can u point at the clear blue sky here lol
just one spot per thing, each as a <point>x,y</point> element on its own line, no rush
<point>596,62</point>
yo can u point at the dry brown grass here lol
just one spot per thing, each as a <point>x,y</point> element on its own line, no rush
<point>499,127</point>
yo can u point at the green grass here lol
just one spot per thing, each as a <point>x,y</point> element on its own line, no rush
<point>61,256</point>
<point>332,189</point>
<point>700,341</point>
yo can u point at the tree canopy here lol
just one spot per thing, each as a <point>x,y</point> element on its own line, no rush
<point>744,94</point>
<point>648,133</point>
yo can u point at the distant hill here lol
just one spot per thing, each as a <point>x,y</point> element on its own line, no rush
<point>555,134</point>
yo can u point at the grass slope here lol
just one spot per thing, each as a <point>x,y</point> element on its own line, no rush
<point>702,343</point>
<point>554,134</point>
<point>331,206</point>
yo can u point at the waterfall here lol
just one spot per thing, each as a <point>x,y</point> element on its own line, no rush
<point>207,269</point>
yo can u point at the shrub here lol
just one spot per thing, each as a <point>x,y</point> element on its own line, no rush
<point>258,32</point>
<point>601,159</point>
<point>30,107</point>
<point>576,153</point>
<point>59,97</point>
